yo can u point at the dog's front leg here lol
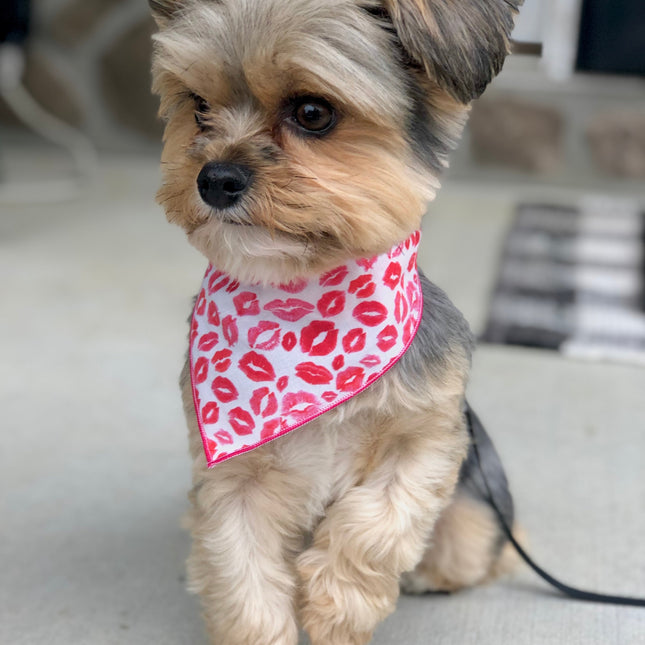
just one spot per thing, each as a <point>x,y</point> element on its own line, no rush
<point>246,523</point>
<point>379,528</point>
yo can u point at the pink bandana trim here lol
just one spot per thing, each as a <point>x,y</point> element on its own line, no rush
<point>264,360</point>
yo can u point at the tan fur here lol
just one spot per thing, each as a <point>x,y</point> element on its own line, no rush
<point>316,527</point>
<point>368,480</point>
<point>464,550</point>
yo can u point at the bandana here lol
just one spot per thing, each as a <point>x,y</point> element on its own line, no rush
<point>264,360</point>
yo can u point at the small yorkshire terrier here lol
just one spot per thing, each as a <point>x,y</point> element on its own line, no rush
<point>324,389</point>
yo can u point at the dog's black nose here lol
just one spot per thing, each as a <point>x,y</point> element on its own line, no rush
<point>222,184</point>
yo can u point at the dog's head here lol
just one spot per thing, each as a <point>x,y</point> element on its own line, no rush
<point>300,133</point>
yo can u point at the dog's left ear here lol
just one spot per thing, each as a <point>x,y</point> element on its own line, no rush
<point>461,43</point>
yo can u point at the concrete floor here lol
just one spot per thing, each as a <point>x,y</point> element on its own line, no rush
<point>93,459</point>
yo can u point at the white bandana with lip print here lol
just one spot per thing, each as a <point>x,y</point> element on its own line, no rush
<point>264,360</point>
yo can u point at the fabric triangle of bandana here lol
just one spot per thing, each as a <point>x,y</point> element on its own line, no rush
<point>265,360</point>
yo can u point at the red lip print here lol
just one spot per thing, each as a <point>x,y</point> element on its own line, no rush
<point>211,449</point>
<point>313,374</point>
<point>217,281</point>
<point>224,390</point>
<point>291,309</point>
<point>263,402</point>
<point>412,262</point>
<point>295,286</point>
<point>362,286</point>
<point>329,396</point>
<point>241,421</point>
<point>200,306</point>
<point>334,277</point>
<point>408,330</point>
<point>282,383</point>
<point>331,303</point>
<point>350,379</point>
<point>257,367</point>
<point>396,251</point>
<point>233,286</point>
<point>221,360</point>
<point>269,428</point>
<point>371,360</point>
<point>392,275</point>
<point>300,406</point>
<point>413,296</point>
<point>265,335</point>
<point>229,329</point>
<point>370,313</point>
<point>338,362</point>
<point>319,338</point>
<point>400,307</point>
<point>210,412</point>
<point>366,263</point>
<point>386,338</point>
<point>224,437</point>
<point>246,304</point>
<point>213,314</point>
<point>289,341</point>
<point>208,341</point>
<point>201,369</point>
<point>354,340</point>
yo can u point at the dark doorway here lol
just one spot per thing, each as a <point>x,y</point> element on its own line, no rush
<point>612,37</point>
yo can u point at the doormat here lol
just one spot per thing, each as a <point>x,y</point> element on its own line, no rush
<point>572,279</point>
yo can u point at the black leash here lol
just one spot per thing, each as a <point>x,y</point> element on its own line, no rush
<point>572,592</point>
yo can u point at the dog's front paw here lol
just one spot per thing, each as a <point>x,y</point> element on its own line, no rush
<point>341,605</point>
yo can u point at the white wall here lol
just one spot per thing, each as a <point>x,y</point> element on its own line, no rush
<point>554,23</point>
<point>529,25</point>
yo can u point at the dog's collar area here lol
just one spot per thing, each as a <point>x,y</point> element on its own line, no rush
<point>265,360</point>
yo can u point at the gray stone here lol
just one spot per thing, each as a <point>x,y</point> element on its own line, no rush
<point>517,134</point>
<point>617,143</point>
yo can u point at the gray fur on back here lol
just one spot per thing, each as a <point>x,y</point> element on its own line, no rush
<point>442,339</point>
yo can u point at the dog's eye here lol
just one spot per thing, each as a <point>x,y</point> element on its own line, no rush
<point>201,110</point>
<point>314,115</point>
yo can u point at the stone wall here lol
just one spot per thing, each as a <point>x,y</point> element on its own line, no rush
<point>88,62</point>
<point>585,129</point>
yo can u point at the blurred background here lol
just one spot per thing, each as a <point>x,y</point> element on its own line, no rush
<point>561,114</point>
<point>537,235</point>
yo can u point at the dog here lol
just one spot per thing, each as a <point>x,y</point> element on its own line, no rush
<point>304,140</point>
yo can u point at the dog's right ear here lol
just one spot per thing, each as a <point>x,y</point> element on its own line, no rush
<point>163,11</point>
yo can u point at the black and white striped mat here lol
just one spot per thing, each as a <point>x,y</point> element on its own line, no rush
<point>572,279</point>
